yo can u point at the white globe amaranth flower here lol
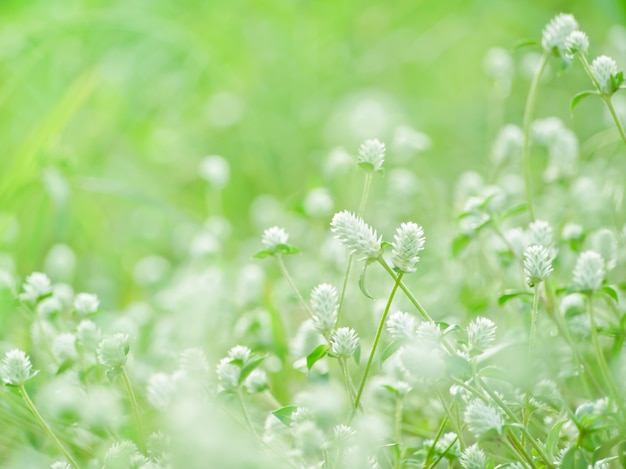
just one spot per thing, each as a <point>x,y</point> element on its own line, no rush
<point>215,170</point>
<point>589,271</point>
<point>358,237</point>
<point>121,454</point>
<point>447,442</point>
<point>556,32</point>
<point>537,264</point>
<point>481,333</point>
<point>517,239</point>
<point>325,306</point>
<point>480,418</point>
<point>604,242</point>
<point>604,69</point>
<point>372,154</point>
<point>407,243</point>
<point>343,433</point>
<point>112,351</point>
<point>429,332</point>
<point>401,325</point>
<point>318,202</point>
<point>227,375</point>
<point>240,353</point>
<point>273,237</point>
<point>256,381</point>
<point>545,130</point>
<point>35,286</point>
<point>64,347</point>
<point>572,232</point>
<point>16,368</point>
<point>508,145</point>
<point>88,335</point>
<point>49,306</point>
<point>344,342</point>
<point>86,303</point>
<point>473,458</point>
<point>540,233</point>
<point>577,43</point>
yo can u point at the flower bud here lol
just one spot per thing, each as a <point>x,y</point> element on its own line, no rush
<point>408,242</point>
<point>344,342</point>
<point>357,236</point>
<point>16,368</point>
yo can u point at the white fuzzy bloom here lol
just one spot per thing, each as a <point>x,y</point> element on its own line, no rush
<point>571,231</point>
<point>241,353</point>
<point>604,69</point>
<point>357,236</point>
<point>604,242</point>
<point>16,368</point>
<point>256,381</point>
<point>481,333</point>
<point>86,303</point>
<point>508,145</point>
<point>407,243</point>
<point>318,202</point>
<point>344,342</point>
<point>589,271</point>
<point>343,433</point>
<point>215,170</point>
<point>49,306</point>
<point>401,325</point>
<point>274,236</point>
<point>537,264</point>
<point>556,33</point>
<point>577,43</point>
<point>122,454</point>
<point>88,335</point>
<point>64,347</point>
<point>227,375</point>
<point>473,458</point>
<point>481,417</point>
<point>429,332</point>
<point>540,233</point>
<point>372,152</point>
<point>544,130</point>
<point>325,305</point>
<point>35,286</point>
<point>112,350</point>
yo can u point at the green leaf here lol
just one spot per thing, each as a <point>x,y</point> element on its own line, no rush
<point>366,165</point>
<point>287,249</point>
<point>574,458</point>
<point>579,97</point>
<point>249,368</point>
<point>610,291</point>
<point>263,254</point>
<point>515,210</point>
<point>448,328</point>
<point>459,244</point>
<point>317,354</point>
<point>284,413</point>
<point>391,389</point>
<point>389,350</point>
<point>362,282</point>
<point>66,365</point>
<point>525,43</point>
<point>511,294</point>
<point>357,354</point>
<point>553,437</point>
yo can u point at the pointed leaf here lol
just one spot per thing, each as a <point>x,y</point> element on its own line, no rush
<point>263,254</point>
<point>66,365</point>
<point>366,165</point>
<point>389,350</point>
<point>525,43</point>
<point>357,354</point>
<point>459,244</point>
<point>574,458</point>
<point>553,437</point>
<point>113,373</point>
<point>516,210</point>
<point>511,294</point>
<point>287,249</point>
<point>362,283</point>
<point>578,98</point>
<point>611,292</point>
<point>249,368</point>
<point>284,413</point>
<point>317,354</point>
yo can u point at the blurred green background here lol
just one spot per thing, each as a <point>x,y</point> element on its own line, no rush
<point>107,109</point>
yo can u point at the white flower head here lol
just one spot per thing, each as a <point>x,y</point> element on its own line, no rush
<point>556,33</point>
<point>589,271</point>
<point>372,155</point>
<point>112,350</point>
<point>215,170</point>
<point>401,325</point>
<point>481,417</point>
<point>256,381</point>
<point>273,237</point>
<point>344,342</point>
<point>540,233</point>
<point>407,243</point>
<point>325,305</point>
<point>86,303</point>
<point>227,375</point>
<point>64,347</point>
<point>508,144</point>
<point>357,236</point>
<point>16,368</point>
<point>473,458</point>
<point>577,43</point>
<point>537,264</point>
<point>604,70</point>
<point>36,285</point>
<point>481,333</point>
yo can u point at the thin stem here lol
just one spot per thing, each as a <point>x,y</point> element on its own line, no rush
<point>133,402</point>
<point>533,329</point>
<point>246,416</point>
<point>285,272</point>
<point>348,380</point>
<point>605,98</point>
<point>379,332</point>
<point>528,115</point>
<point>604,368</point>
<point>517,448</point>
<point>46,428</point>
<point>397,419</point>
<point>454,422</point>
<point>362,203</point>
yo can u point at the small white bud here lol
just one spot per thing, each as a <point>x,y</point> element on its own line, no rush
<point>49,306</point>
<point>112,350</point>
<point>408,242</point>
<point>16,368</point>
<point>604,242</point>
<point>589,271</point>
<point>540,233</point>
<point>240,353</point>
<point>556,33</point>
<point>508,145</point>
<point>86,303</point>
<point>481,333</point>
<point>372,152</point>
<point>274,236</point>
<point>344,342</point>
<point>604,70</point>
<point>215,170</point>
<point>325,304</point>
<point>64,347</point>
<point>537,264</point>
<point>473,458</point>
<point>481,417</point>
<point>256,381</point>
<point>357,236</point>
<point>35,286</point>
<point>577,43</point>
<point>401,325</point>
<point>227,375</point>
<point>88,335</point>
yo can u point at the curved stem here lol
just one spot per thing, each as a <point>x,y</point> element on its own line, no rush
<point>46,428</point>
<point>285,272</point>
<point>379,332</point>
<point>133,402</point>
<point>528,115</point>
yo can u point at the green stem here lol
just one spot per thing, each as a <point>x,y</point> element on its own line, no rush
<point>246,416</point>
<point>605,98</point>
<point>379,332</point>
<point>348,380</point>
<point>46,428</point>
<point>604,368</point>
<point>528,115</point>
<point>133,402</point>
<point>453,421</point>
<point>397,419</point>
<point>518,449</point>
<point>362,203</point>
<point>285,272</point>
<point>533,329</point>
